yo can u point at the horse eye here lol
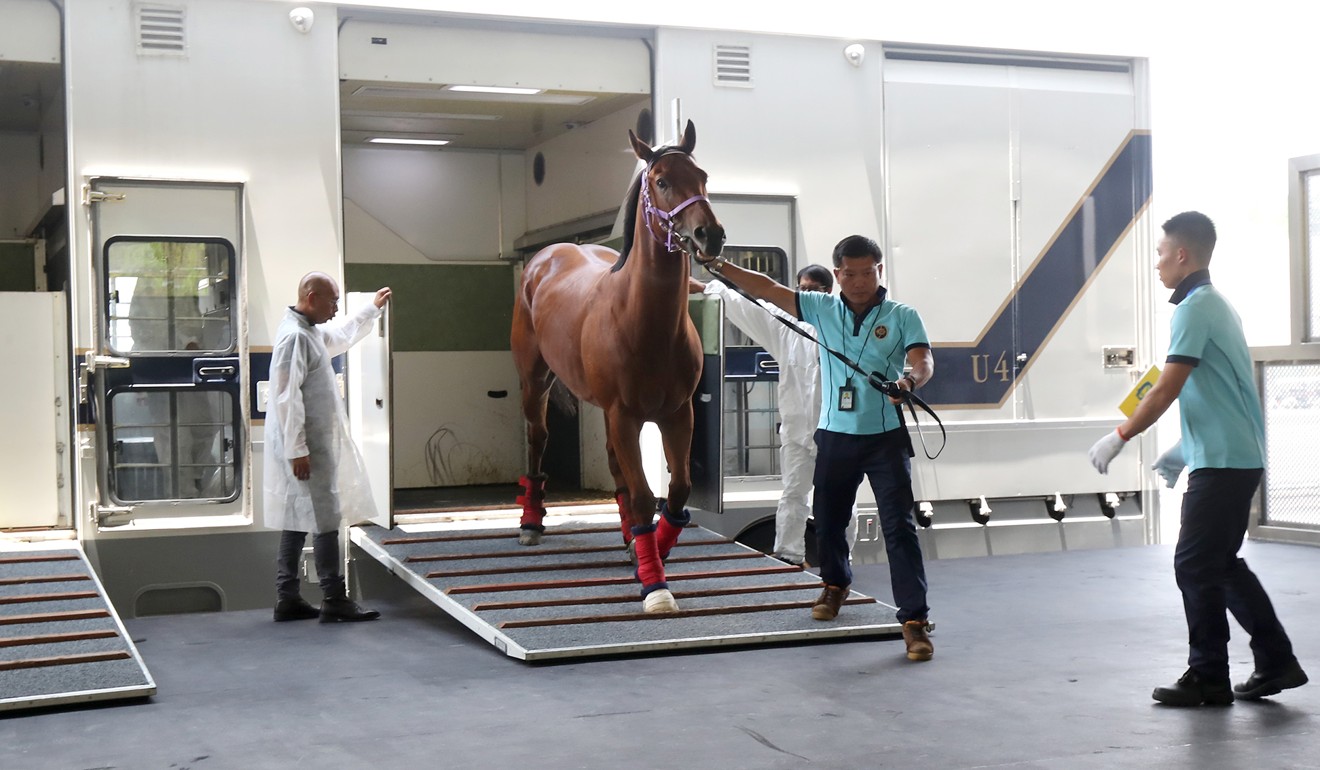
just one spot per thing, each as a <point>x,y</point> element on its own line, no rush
<point>662,184</point>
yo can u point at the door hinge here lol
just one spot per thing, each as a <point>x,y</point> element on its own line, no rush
<point>111,515</point>
<point>90,196</point>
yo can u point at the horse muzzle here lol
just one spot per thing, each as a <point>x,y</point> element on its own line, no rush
<point>709,239</point>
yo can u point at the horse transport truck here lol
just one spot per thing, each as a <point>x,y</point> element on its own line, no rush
<point>173,168</point>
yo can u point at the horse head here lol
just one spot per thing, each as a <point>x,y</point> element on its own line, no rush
<point>673,198</point>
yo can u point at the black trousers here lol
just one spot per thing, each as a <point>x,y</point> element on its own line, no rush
<point>325,552</point>
<point>1215,581</point>
<point>842,460</point>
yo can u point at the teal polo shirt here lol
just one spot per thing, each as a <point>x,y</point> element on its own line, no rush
<point>1219,407</point>
<point>878,341</point>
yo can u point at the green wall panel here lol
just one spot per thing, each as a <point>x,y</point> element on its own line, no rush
<point>18,270</point>
<point>443,307</point>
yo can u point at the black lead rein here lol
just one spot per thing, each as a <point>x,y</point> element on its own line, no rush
<point>887,387</point>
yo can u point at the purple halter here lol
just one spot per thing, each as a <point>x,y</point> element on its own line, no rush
<point>665,218</point>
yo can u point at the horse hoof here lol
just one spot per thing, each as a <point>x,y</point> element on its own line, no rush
<point>529,537</point>
<point>659,601</point>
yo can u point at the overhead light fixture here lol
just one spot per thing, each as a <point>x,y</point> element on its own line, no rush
<point>418,115</point>
<point>452,93</point>
<point>397,140</point>
<point>510,90</point>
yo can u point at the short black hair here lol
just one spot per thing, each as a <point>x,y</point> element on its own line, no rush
<point>1195,232</point>
<point>856,246</point>
<point>818,274</point>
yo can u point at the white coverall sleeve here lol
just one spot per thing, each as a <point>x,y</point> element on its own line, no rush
<point>287,409</point>
<point>753,319</point>
<point>339,336</point>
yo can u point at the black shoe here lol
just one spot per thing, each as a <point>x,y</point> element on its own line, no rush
<point>1192,690</point>
<point>294,609</point>
<point>345,610</point>
<point>1260,685</point>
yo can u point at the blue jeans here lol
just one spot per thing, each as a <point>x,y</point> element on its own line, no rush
<point>1214,581</point>
<point>325,552</point>
<point>842,460</point>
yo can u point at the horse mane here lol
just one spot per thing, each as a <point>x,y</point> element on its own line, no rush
<point>630,202</point>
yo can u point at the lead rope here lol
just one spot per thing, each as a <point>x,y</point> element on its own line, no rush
<point>887,387</point>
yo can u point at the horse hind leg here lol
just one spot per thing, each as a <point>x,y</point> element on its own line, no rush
<point>620,492</point>
<point>535,377</point>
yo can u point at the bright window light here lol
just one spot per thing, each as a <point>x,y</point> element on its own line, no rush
<point>495,90</point>
<point>419,142</point>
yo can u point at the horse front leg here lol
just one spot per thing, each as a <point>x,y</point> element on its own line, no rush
<point>676,435</point>
<point>624,435</point>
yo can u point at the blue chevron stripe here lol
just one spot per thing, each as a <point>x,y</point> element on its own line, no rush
<point>983,373</point>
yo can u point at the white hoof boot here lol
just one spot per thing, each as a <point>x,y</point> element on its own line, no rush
<point>659,601</point>
<point>529,537</point>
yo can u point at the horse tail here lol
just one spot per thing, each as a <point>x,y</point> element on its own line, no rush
<point>563,398</point>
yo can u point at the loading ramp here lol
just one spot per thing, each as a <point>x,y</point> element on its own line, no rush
<point>575,595</point>
<point>61,641</point>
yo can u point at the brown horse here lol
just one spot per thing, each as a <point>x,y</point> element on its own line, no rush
<point>614,328</point>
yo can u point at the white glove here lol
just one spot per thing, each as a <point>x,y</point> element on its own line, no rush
<point>1170,465</point>
<point>1106,449</point>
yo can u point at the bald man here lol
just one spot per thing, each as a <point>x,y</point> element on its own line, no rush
<point>314,473</point>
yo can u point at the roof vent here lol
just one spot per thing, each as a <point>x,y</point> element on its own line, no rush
<point>160,29</point>
<point>733,66</point>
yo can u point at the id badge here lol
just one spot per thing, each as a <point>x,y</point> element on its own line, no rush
<point>847,397</point>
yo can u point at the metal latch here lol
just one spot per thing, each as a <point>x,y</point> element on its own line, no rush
<point>92,362</point>
<point>1119,357</point>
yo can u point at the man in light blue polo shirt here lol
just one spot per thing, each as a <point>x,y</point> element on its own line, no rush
<point>1208,370</point>
<point>861,432</point>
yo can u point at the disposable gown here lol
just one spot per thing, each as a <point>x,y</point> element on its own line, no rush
<point>799,411</point>
<point>306,416</point>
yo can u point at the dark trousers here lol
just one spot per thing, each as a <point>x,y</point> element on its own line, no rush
<point>325,552</point>
<point>1214,581</point>
<point>842,460</point>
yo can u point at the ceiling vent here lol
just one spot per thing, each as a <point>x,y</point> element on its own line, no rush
<point>733,66</point>
<point>160,29</point>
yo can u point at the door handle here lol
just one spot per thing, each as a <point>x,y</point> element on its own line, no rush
<point>216,371</point>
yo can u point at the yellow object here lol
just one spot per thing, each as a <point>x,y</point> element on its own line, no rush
<point>1129,404</point>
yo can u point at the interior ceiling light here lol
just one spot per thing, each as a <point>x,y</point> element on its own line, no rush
<point>419,115</point>
<point>495,90</point>
<point>448,93</point>
<point>397,140</point>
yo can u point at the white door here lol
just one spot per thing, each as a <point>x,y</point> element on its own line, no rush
<point>170,404</point>
<point>370,406</point>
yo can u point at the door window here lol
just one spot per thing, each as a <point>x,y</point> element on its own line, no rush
<point>172,444</point>
<point>169,296</point>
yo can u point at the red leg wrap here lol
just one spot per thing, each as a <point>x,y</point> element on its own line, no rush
<point>533,503</point>
<point>649,569</point>
<point>669,528</point>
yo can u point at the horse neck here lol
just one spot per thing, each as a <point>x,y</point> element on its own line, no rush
<point>656,280</point>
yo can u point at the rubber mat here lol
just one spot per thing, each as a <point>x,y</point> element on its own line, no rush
<point>60,639</point>
<point>575,594</point>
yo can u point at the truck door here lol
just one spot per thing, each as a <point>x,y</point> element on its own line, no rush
<point>167,374</point>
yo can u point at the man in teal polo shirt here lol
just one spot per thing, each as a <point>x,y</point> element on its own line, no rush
<point>861,433</point>
<point>1208,370</point>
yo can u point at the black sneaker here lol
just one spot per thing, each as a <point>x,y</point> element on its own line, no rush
<point>1260,685</point>
<point>1192,690</point>
<point>345,610</point>
<point>294,609</point>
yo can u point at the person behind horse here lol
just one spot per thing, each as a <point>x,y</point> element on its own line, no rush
<point>313,469</point>
<point>799,403</point>
<point>1209,372</point>
<point>861,432</point>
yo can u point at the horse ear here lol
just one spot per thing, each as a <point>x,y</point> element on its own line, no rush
<point>689,138</point>
<point>640,148</point>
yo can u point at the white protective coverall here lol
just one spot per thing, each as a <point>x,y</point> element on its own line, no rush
<point>799,412</point>
<point>306,417</point>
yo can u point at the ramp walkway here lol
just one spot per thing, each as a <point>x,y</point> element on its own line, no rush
<point>575,595</point>
<point>61,641</point>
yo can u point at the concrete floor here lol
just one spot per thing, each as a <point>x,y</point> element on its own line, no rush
<point>1042,661</point>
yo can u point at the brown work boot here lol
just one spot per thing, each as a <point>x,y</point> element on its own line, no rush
<point>916,635</point>
<point>827,606</point>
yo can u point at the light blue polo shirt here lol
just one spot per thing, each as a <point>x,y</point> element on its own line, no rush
<point>1220,411</point>
<point>878,342</point>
